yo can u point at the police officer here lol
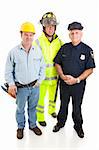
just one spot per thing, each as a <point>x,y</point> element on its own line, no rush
<point>74,63</point>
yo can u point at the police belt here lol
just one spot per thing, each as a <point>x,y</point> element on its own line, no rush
<point>19,85</point>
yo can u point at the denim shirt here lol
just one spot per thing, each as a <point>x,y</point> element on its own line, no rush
<point>24,67</point>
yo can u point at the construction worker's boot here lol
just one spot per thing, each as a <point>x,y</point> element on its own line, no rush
<point>42,123</point>
<point>54,115</point>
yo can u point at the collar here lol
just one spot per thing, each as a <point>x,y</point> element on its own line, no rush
<point>54,36</point>
<point>77,46</point>
<point>22,47</point>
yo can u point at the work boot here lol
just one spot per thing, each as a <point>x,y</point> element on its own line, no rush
<point>42,123</point>
<point>20,133</point>
<point>36,130</point>
<point>54,115</point>
<point>79,131</point>
<point>57,127</point>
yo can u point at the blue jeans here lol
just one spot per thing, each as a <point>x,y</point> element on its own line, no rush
<point>31,96</point>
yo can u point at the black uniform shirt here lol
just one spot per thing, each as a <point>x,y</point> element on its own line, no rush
<point>74,60</point>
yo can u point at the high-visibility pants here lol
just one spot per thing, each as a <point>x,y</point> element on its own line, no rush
<point>50,90</point>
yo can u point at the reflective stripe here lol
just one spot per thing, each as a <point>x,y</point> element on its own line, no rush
<point>51,101</point>
<point>42,112</point>
<point>38,43</point>
<point>52,106</point>
<point>50,65</point>
<point>39,106</point>
<point>52,78</point>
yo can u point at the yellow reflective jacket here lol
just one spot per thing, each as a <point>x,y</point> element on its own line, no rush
<point>49,50</point>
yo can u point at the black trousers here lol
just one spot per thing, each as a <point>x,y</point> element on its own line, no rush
<point>76,92</point>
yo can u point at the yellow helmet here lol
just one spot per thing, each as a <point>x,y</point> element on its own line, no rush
<point>27,27</point>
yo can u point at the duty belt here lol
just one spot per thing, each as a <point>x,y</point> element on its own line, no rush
<point>52,78</point>
<point>19,85</point>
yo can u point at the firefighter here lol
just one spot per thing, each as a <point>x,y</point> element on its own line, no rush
<point>49,43</point>
<point>74,63</point>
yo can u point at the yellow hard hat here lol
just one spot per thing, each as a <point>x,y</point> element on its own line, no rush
<point>27,27</point>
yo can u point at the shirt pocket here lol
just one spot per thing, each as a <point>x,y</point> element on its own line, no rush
<point>36,61</point>
<point>66,58</point>
<point>19,64</point>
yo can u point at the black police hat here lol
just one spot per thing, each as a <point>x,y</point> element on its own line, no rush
<point>75,25</point>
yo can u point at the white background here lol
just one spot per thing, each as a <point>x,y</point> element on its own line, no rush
<point>12,15</point>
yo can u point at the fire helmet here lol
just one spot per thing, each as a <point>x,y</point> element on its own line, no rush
<point>48,19</point>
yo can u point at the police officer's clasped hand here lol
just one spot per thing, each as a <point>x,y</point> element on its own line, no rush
<point>70,80</point>
<point>63,77</point>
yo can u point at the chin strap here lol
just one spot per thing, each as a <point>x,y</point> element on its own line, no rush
<point>48,34</point>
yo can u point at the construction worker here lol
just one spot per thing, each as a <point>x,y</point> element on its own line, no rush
<point>25,69</point>
<point>49,43</point>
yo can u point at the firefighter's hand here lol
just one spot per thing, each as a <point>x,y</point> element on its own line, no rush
<point>12,91</point>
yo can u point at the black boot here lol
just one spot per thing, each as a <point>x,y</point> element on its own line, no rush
<point>57,127</point>
<point>79,131</point>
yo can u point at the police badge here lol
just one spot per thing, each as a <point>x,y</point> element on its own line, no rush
<point>82,57</point>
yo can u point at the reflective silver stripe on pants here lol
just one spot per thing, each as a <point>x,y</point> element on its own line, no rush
<point>39,106</point>
<point>52,78</point>
<point>51,101</point>
<point>51,106</point>
<point>40,111</point>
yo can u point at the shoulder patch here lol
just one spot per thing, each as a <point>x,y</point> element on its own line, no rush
<point>92,54</point>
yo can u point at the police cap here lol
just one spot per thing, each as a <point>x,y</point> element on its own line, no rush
<point>75,25</point>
